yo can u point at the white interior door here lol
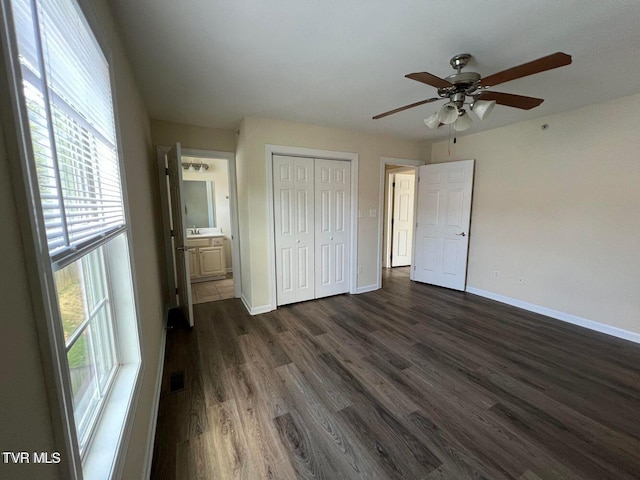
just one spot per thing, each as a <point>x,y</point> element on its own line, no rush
<point>443,216</point>
<point>180,249</point>
<point>332,226</point>
<point>294,228</point>
<point>402,220</point>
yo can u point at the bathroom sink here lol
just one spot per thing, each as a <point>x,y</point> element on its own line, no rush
<point>204,232</point>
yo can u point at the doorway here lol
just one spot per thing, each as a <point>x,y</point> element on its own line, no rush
<point>397,219</point>
<point>208,191</point>
<point>399,215</point>
<point>208,213</point>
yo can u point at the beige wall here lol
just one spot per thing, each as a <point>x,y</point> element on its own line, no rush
<point>255,133</point>
<point>146,231</point>
<point>242,175</point>
<point>218,173</point>
<point>26,421</point>
<point>191,136</point>
<point>24,408</point>
<point>561,208</point>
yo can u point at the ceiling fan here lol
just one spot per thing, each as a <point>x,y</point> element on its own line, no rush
<point>469,88</point>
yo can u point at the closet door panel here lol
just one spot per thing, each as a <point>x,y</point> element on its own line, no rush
<point>294,237</point>
<point>333,214</point>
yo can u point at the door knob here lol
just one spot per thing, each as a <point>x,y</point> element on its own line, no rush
<point>462,234</point>
<point>330,238</point>
<point>183,249</point>
<point>297,241</point>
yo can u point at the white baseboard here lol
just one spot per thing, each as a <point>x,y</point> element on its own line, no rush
<point>565,317</point>
<point>367,288</point>
<point>151,436</point>
<point>255,310</point>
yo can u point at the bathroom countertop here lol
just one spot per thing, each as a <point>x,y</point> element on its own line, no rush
<point>205,233</point>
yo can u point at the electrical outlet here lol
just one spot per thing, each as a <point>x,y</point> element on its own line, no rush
<point>372,213</point>
<point>496,274</point>
<point>520,280</point>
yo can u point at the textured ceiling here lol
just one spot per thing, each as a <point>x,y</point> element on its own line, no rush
<point>338,63</point>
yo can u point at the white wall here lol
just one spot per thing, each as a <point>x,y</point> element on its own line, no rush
<point>255,133</point>
<point>26,419</point>
<point>561,208</point>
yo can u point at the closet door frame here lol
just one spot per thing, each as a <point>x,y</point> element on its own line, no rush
<point>271,150</point>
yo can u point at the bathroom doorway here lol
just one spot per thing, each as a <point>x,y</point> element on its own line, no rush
<point>208,191</point>
<point>208,212</point>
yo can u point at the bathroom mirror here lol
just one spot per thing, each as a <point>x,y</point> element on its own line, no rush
<point>199,204</point>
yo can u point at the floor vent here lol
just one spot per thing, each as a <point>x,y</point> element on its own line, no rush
<point>176,382</point>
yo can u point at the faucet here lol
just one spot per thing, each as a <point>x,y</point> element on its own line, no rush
<point>194,230</point>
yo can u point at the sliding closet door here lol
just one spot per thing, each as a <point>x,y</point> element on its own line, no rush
<point>294,228</point>
<point>332,226</point>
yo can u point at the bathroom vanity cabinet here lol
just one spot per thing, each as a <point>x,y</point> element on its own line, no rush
<point>206,257</point>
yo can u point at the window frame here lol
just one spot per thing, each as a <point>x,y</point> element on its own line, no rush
<point>126,384</point>
<point>91,417</point>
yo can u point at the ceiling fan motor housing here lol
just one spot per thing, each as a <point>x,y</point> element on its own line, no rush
<point>462,84</point>
<point>458,98</point>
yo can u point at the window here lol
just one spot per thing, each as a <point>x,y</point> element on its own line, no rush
<point>68,96</point>
<point>88,330</point>
<point>73,169</point>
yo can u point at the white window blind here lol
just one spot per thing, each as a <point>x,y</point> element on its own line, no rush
<point>68,97</point>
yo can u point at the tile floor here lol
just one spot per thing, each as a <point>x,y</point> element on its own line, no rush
<point>203,292</point>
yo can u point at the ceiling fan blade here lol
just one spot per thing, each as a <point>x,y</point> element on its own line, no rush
<point>406,107</point>
<point>429,79</point>
<point>511,100</point>
<point>543,64</point>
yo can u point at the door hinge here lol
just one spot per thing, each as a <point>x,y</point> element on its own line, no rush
<point>177,292</point>
<point>418,179</point>
<point>173,233</point>
<point>393,184</point>
<point>166,171</point>
<point>392,220</point>
<point>414,268</point>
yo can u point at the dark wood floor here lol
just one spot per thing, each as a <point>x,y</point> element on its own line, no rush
<point>409,382</point>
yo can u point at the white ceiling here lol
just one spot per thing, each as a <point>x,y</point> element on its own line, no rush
<point>339,62</point>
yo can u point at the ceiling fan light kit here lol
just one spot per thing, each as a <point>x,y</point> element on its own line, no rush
<point>470,89</point>
<point>432,122</point>
<point>448,113</point>
<point>463,122</point>
<point>482,108</point>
